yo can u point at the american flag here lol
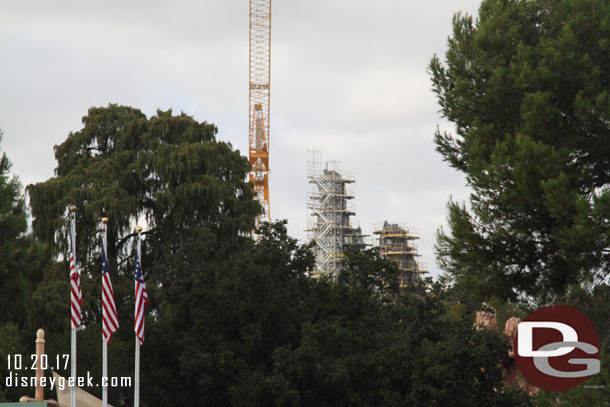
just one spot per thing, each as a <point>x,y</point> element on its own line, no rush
<point>110,322</point>
<point>76,297</point>
<point>141,301</point>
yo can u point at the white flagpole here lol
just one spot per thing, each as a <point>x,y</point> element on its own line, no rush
<point>73,334</point>
<point>136,396</point>
<point>73,374</point>
<point>104,342</point>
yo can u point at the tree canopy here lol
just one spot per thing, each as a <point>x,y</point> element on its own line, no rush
<point>527,87</point>
<point>233,320</point>
<point>255,330</point>
<point>12,227</point>
<point>166,171</point>
<point>21,263</point>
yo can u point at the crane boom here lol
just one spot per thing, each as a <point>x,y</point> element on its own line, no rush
<point>260,60</point>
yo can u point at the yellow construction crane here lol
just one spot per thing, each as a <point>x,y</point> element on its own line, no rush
<point>260,60</point>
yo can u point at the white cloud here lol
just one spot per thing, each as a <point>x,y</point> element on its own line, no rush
<point>348,76</point>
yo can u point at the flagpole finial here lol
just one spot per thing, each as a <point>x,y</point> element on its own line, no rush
<point>139,229</point>
<point>72,208</point>
<point>105,220</point>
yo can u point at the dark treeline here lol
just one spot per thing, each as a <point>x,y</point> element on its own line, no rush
<point>233,320</point>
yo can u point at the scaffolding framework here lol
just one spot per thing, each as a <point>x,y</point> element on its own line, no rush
<point>397,243</point>
<point>330,208</point>
<point>260,62</point>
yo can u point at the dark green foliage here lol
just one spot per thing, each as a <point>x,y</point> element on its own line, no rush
<point>251,329</point>
<point>9,346</point>
<point>167,173</point>
<point>235,321</point>
<point>168,170</point>
<point>595,305</point>
<point>231,311</point>
<point>593,392</point>
<point>367,270</point>
<point>21,263</point>
<point>527,87</point>
<point>15,248</point>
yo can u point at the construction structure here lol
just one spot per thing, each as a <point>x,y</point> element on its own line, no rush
<point>260,61</point>
<point>397,243</point>
<point>330,209</point>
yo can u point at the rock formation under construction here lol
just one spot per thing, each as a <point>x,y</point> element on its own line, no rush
<point>330,209</point>
<point>396,243</point>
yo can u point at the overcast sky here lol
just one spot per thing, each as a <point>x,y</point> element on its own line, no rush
<point>347,76</point>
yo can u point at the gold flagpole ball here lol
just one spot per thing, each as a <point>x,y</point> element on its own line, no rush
<point>104,220</point>
<point>139,229</point>
<point>73,208</point>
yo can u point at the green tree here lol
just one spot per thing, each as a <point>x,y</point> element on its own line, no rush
<point>526,85</point>
<point>250,328</point>
<point>367,270</point>
<point>22,259</point>
<point>17,251</point>
<point>595,305</point>
<point>224,318</point>
<point>167,170</point>
<point>9,346</point>
<point>168,173</point>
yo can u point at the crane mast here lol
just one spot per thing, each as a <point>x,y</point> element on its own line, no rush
<point>260,60</point>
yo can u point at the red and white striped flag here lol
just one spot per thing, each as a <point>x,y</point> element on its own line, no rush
<point>76,297</point>
<point>141,301</point>
<point>110,321</point>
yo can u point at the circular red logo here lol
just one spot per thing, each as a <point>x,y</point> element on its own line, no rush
<point>557,348</point>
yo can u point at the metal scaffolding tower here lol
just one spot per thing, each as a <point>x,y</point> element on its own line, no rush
<point>330,210</point>
<point>260,61</point>
<point>396,243</point>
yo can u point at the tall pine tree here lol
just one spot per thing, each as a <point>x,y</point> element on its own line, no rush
<point>527,87</point>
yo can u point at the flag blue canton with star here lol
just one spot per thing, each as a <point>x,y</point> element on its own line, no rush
<point>141,302</point>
